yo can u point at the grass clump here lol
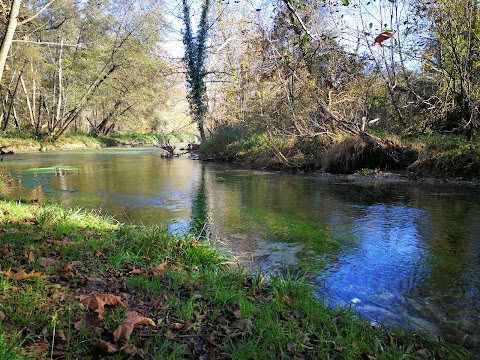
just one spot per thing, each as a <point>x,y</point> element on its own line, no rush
<point>165,297</point>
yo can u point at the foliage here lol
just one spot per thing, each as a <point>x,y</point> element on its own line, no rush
<point>182,299</point>
<point>195,57</point>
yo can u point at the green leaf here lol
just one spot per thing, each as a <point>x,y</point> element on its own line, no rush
<point>345,2</point>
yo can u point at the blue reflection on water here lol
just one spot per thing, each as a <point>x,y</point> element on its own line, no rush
<point>374,268</point>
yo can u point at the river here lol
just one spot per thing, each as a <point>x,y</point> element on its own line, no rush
<point>400,253</point>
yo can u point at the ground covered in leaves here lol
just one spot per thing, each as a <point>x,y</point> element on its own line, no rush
<point>76,285</point>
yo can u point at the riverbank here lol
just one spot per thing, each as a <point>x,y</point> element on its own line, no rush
<point>79,285</point>
<point>73,141</point>
<point>444,156</point>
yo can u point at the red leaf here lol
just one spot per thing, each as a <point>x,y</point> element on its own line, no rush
<point>382,37</point>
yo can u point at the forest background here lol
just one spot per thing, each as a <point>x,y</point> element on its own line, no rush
<point>340,86</point>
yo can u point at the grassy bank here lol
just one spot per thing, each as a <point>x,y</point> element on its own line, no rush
<point>72,141</point>
<point>78,285</point>
<point>433,155</point>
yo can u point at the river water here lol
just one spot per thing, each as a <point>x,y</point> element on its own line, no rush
<point>400,253</point>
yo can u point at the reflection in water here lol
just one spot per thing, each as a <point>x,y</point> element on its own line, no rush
<point>199,215</point>
<point>409,253</point>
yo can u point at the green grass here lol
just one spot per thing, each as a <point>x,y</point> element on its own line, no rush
<point>202,304</point>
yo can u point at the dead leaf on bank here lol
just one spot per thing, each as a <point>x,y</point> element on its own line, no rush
<point>5,249</point>
<point>38,348</point>
<point>46,262</point>
<point>30,255</point>
<point>60,336</point>
<point>106,347</point>
<point>159,269</point>
<point>125,329</point>
<point>20,275</point>
<point>179,325</point>
<point>98,253</point>
<point>2,315</point>
<point>136,271</point>
<point>175,267</point>
<point>97,302</point>
<point>68,271</point>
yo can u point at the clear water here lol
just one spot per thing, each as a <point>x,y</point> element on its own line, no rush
<point>403,254</point>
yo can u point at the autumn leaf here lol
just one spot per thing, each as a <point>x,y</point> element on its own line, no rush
<point>106,347</point>
<point>97,302</point>
<point>159,269</point>
<point>125,329</point>
<point>136,271</point>
<point>20,275</point>
<point>68,271</point>
<point>38,348</point>
<point>179,325</point>
<point>175,267</point>
<point>31,254</point>
<point>46,262</point>
<point>5,249</point>
<point>382,37</point>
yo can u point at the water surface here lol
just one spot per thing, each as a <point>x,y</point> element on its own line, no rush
<point>405,254</point>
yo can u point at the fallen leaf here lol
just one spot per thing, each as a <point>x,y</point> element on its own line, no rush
<point>194,243</point>
<point>288,300</point>
<point>98,253</point>
<point>46,262</point>
<point>179,325</point>
<point>97,302</point>
<point>125,329</point>
<point>60,336</point>
<point>68,271</point>
<point>53,287</point>
<point>31,254</point>
<point>5,249</point>
<point>40,347</point>
<point>106,347</point>
<point>20,275</point>
<point>159,269</point>
<point>136,271</point>
<point>175,267</point>
<point>78,325</point>
<point>2,315</point>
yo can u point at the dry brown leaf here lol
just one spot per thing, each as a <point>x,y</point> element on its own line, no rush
<point>68,271</point>
<point>98,253</point>
<point>288,300</point>
<point>136,271</point>
<point>20,275</point>
<point>179,325</point>
<point>175,267</point>
<point>60,336</point>
<point>125,329</point>
<point>106,347</point>
<point>46,262</point>
<point>31,254</point>
<point>38,348</point>
<point>194,243</point>
<point>159,269</point>
<point>5,249</point>
<point>97,302</point>
<point>2,315</point>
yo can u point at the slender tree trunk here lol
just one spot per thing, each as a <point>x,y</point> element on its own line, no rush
<point>7,40</point>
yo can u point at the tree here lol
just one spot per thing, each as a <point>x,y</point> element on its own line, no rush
<point>195,55</point>
<point>13,22</point>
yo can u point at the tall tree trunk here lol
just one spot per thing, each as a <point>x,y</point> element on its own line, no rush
<point>7,40</point>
